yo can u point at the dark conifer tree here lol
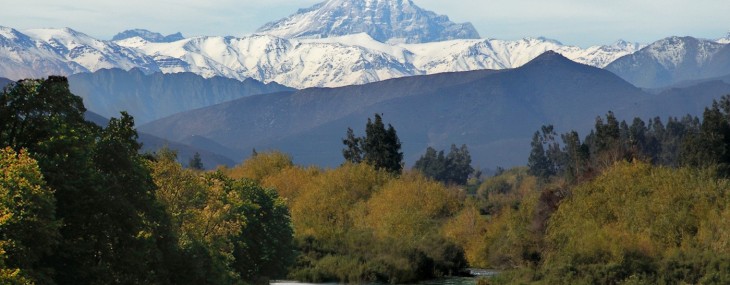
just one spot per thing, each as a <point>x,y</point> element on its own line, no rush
<point>196,162</point>
<point>380,147</point>
<point>453,168</point>
<point>538,163</point>
<point>353,147</point>
<point>459,165</point>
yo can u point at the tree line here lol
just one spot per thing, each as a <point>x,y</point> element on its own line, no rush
<point>639,203</point>
<point>79,204</point>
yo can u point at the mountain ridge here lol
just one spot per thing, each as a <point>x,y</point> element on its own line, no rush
<point>148,36</point>
<point>492,111</point>
<point>392,21</point>
<point>672,60</point>
<point>299,63</point>
<point>152,96</point>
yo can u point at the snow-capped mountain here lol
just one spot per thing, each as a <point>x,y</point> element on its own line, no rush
<point>352,59</point>
<point>299,63</point>
<point>148,36</point>
<point>392,21</point>
<point>24,57</point>
<point>673,60</point>
<point>43,52</point>
<point>90,53</point>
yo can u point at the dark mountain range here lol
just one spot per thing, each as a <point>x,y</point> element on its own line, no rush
<point>4,82</point>
<point>148,36</point>
<point>494,112</point>
<point>673,60</point>
<point>152,96</point>
<point>152,144</point>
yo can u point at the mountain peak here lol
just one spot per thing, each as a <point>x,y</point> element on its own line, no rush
<point>549,56</point>
<point>148,36</point>
<point>672,60</point>
<point>394,21</point>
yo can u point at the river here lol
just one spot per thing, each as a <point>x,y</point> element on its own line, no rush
<point>441,281</point>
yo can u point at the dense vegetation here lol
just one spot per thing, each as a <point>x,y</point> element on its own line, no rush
<point>639,203</point>
<point>631,204</point>
<point>357,223</point>
<point>80,205</point>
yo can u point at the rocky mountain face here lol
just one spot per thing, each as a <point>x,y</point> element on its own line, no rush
<point>148,36</point>
<point>388,21</point>
<point>673,60</point>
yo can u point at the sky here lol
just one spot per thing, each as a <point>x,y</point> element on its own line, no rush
<point>575,22</point>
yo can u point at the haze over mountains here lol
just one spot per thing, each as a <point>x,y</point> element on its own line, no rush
<point>154,96</point>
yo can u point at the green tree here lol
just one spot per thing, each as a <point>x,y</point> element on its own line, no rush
<point>459,165</point>
<point>264,248</point>
<point>196,162</point>
<point>432,164</point>
<point>113,231</point>
<point>353,152</point>
<point>453,168</point>
<point>133,227</point>
<point>539,163</point>
<point>380,147</point>
<point>711,145</point>
<point>576,155</point>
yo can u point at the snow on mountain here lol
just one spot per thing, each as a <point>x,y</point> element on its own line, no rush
<point>148,36</point>
<point>351,59</point>
<point>91,53</point>
<point>299,63</point>
<point>23,57</point>
<point>673,51</point>
<point>392,21</point>
<point>673,60</point>
<point>267,58</point>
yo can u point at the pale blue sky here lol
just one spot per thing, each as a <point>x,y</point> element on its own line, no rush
<point>576,22</point>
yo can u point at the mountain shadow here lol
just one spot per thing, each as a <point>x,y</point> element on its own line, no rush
<point>494,112</point>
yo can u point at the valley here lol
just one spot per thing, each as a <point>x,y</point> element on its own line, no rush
<point>364,142</point>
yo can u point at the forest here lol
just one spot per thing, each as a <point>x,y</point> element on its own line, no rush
<point>639,203</point>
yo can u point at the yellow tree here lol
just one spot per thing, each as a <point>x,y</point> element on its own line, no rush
<point>324,208</point>
<point>410,208</point>
<point>200,207</point>
<point>28,226</point>
<point>261,165</point>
